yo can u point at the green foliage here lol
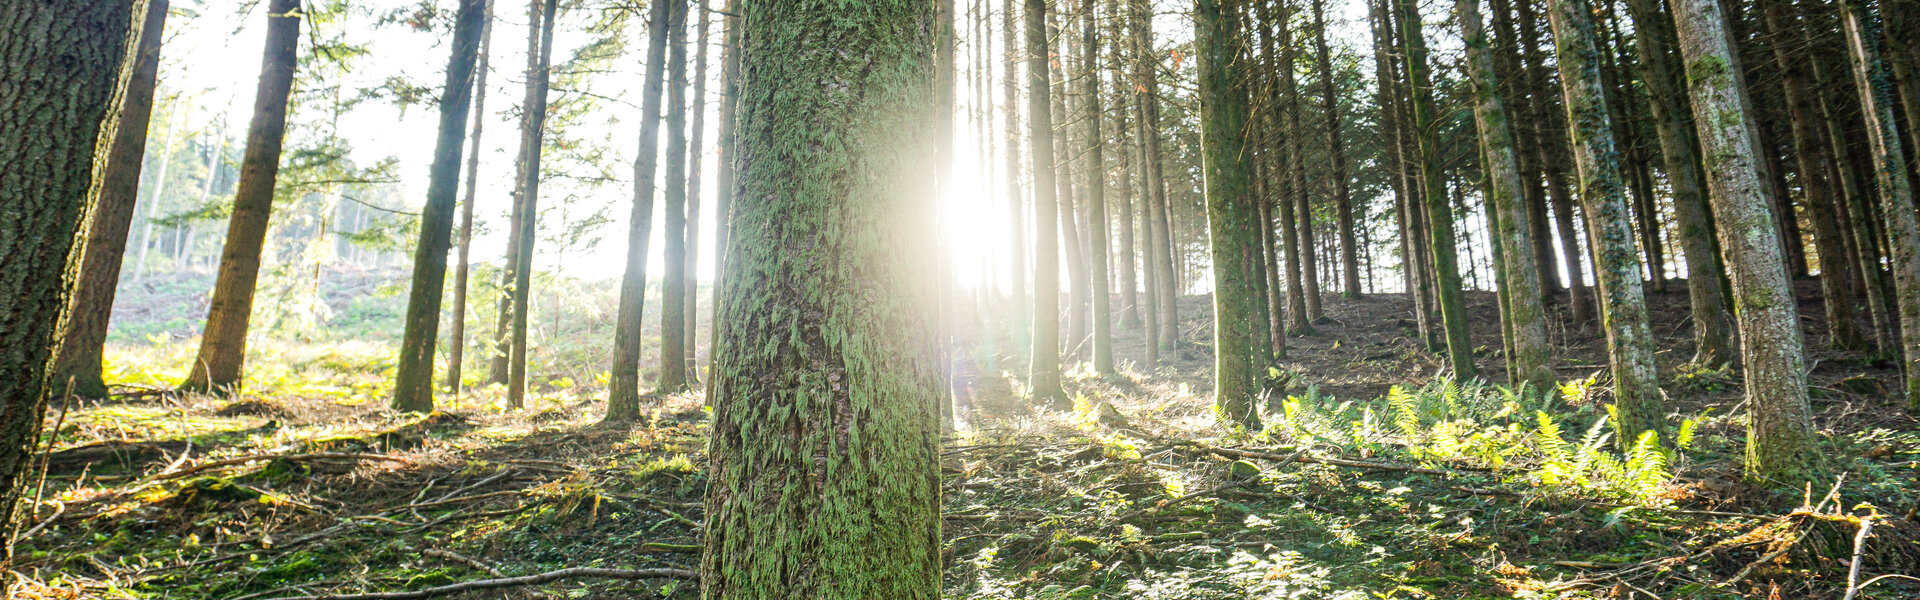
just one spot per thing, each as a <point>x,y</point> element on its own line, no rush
<point>1702,379</point>
<point>1517,435</point>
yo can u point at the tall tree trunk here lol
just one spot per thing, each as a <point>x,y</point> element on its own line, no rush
<point>62,69</point>
<point>223,346</point>
<point>500,366</point>
<point>1043,373</point>
<point>673,299</point>
<point>1337,154</point>
<point>1218,36</point>
<point>77,364</point>
<point>723,180</point>
<point>1636,388</point>
<point>1019,316</point>
<point>1128,266</point>
<point>695,153</point>
<point>1300,214</point>
<point>1712,325</point>
<point>1780,442</point>
<point>1095,167</point>
<point>1439,211</point>
<point>1510,70</point>
<point>623,384</point>
<point>1525,317</point>
<point>1815,175</point>
<point>828,334</point>
<point>1078,301</point>
<point>1552,138</point>
<point>1159,226</point>
<point>1890,170</point>
<point>531,145</point>
<point>457,339</point>
<point>1276,40</point>
<point>413,380</point>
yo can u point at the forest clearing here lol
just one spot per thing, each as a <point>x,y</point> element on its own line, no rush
<point>1014,299</point>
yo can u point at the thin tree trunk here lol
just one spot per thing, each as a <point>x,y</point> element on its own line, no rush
<point>673,298</point>
<point>1276,40</point>
<point>623,387</point>
<point>1128,266</point>
<point>538,80</point>
<point>829,333</point>
<point>1095,167</point>
<point>457,340</point>
<point>1337,153</point>
<point>1043,374</point>
<point>1525,317</point>
<point>695,153</point>
<point>1780,443</point>
<point>1636,389</point>
<point>724,181</point>
<point>1552,137</point>
<point>1159,226</point>
<point>413,380</point>
<point>1815,174</point>
<point>1890,170</point>
<point>1712,324</point>
<point>223,346</point>
<point>77,364</point>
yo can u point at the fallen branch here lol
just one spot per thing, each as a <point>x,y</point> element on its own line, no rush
<point>203,467</point>
<point>507,582</point>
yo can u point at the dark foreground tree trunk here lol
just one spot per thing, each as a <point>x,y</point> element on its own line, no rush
<point>79,360</point>
<point>413,383</point>
<point>825,439</point>
<point>623,384</point>
<point>1780,441</point>
<point>223,347</point>
<point>60,70</point>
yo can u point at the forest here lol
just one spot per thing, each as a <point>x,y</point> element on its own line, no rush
<point>969,299</point>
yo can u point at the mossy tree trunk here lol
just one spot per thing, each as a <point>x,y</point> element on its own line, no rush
<point>1713,340</point>
<point>77,365</point>
<point>1551,135</point>
<point>1890,174</point>
<point>1043,372</point>
<point>673,299</point>
<point>413,381</point>
<point>825,472</point>
<point>63,68</point>
<point>223,346</point>
<point>1638,406</point>
<point>457,339</point>
<point>1218,39</point>
<point>1439,210</point>
<point>1525,317</point>
<point>623,383</point>
<point>1780,441</point>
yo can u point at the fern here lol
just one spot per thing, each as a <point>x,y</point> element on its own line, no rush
<point>1403,406</point>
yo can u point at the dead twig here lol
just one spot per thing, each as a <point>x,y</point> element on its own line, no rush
<point>508,582</point>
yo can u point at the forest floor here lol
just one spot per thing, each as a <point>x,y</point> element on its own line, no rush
<point>1372,479</point>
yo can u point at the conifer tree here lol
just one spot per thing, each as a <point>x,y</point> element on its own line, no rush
<point>825,447</point>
